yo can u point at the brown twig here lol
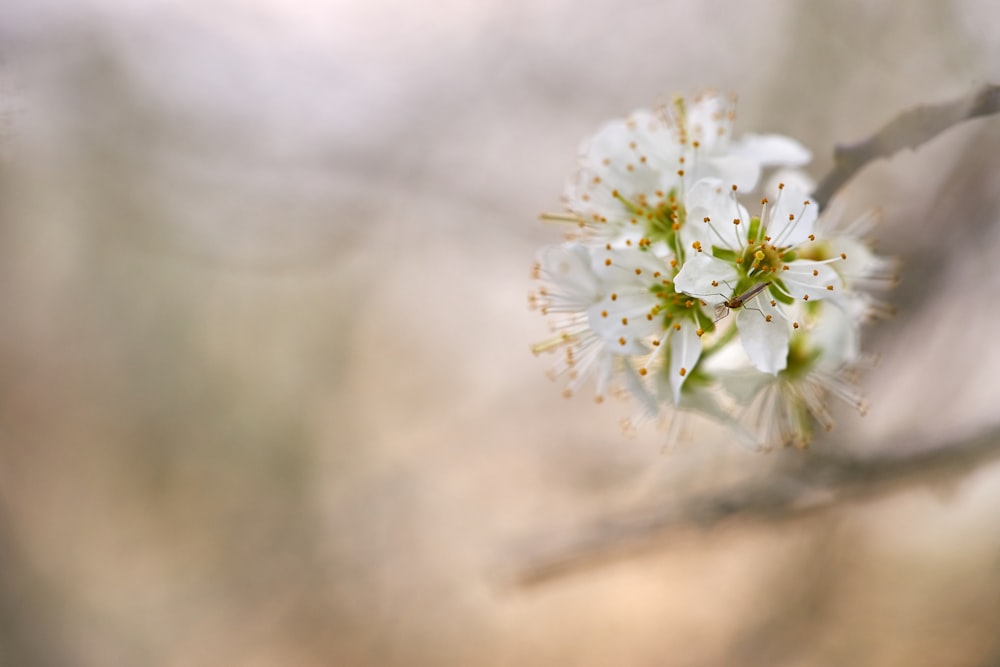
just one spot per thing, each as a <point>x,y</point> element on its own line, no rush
<point>909,129</point>
<point>823,482</point>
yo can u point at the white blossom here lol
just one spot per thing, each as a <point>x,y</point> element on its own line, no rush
<point>633,169</point>
<point>638,300</point>
<point>734,255</point>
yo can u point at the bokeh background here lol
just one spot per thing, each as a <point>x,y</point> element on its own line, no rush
<point>266,397</point>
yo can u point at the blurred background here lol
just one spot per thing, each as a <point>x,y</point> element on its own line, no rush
<point>266,396</point>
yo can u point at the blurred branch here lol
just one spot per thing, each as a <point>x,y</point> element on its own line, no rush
<point>909,129</point>
<point>823,482</point>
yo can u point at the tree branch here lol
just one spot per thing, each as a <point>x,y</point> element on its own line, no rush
<point>825,481</point>
<point>909,129</point>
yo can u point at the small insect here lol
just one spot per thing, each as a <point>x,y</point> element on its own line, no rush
<point>722,309</point>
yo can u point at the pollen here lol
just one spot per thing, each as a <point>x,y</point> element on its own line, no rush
<point>700,332</point>
<point>815,272</point>
<point>624,321</point>
<point>736,221</point>
<point>642,371</point>
<point>614,296</point>
<point>805,297</point>
<point>683,372</point>
<point>767,318</point>
<point>607,262</point>
<point>812,237</point>
<point>795,325</point>
<point>621,341</point>
<point>830,287</point>
<point>604,313</point>
<point>677,326</point>
<point>656,343</point>
<point>638,272</point>
<point>715,283</point>
<point>843,255</point>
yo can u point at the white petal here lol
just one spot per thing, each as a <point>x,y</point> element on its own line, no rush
<point>685,349</point>
<point>708,120</point>
<point>791,219</point>
<point>567,266</point>
<point>771,150</point>
<point>634,156</point>
<point>624,262</point>
<point>837,335</point>
<point>619,318</point>
<point>796,178</point>
<point>743,384</point>
<point>709,278</point>
<point>731,169</point>
<point>807,277</point>
<point>635,385</point>
<point>713,199</point>
<point>766,343</point>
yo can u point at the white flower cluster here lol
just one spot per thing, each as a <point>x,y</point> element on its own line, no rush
<point>662,248</point>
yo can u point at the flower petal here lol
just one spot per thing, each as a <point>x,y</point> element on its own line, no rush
<point>837,335</point>
<point>685,349</point>
<point>635,157</point>
<point>567,267</point>
<point>708,278</point>
<point>737,170</point>
<point>771,150</point>
<point>791,178</point>
<point>711,209</point>
<point>808,279</point>
<point>632,382</point>
<point>765,342</point>
<point>793,217</point>
<point>708,120</point>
